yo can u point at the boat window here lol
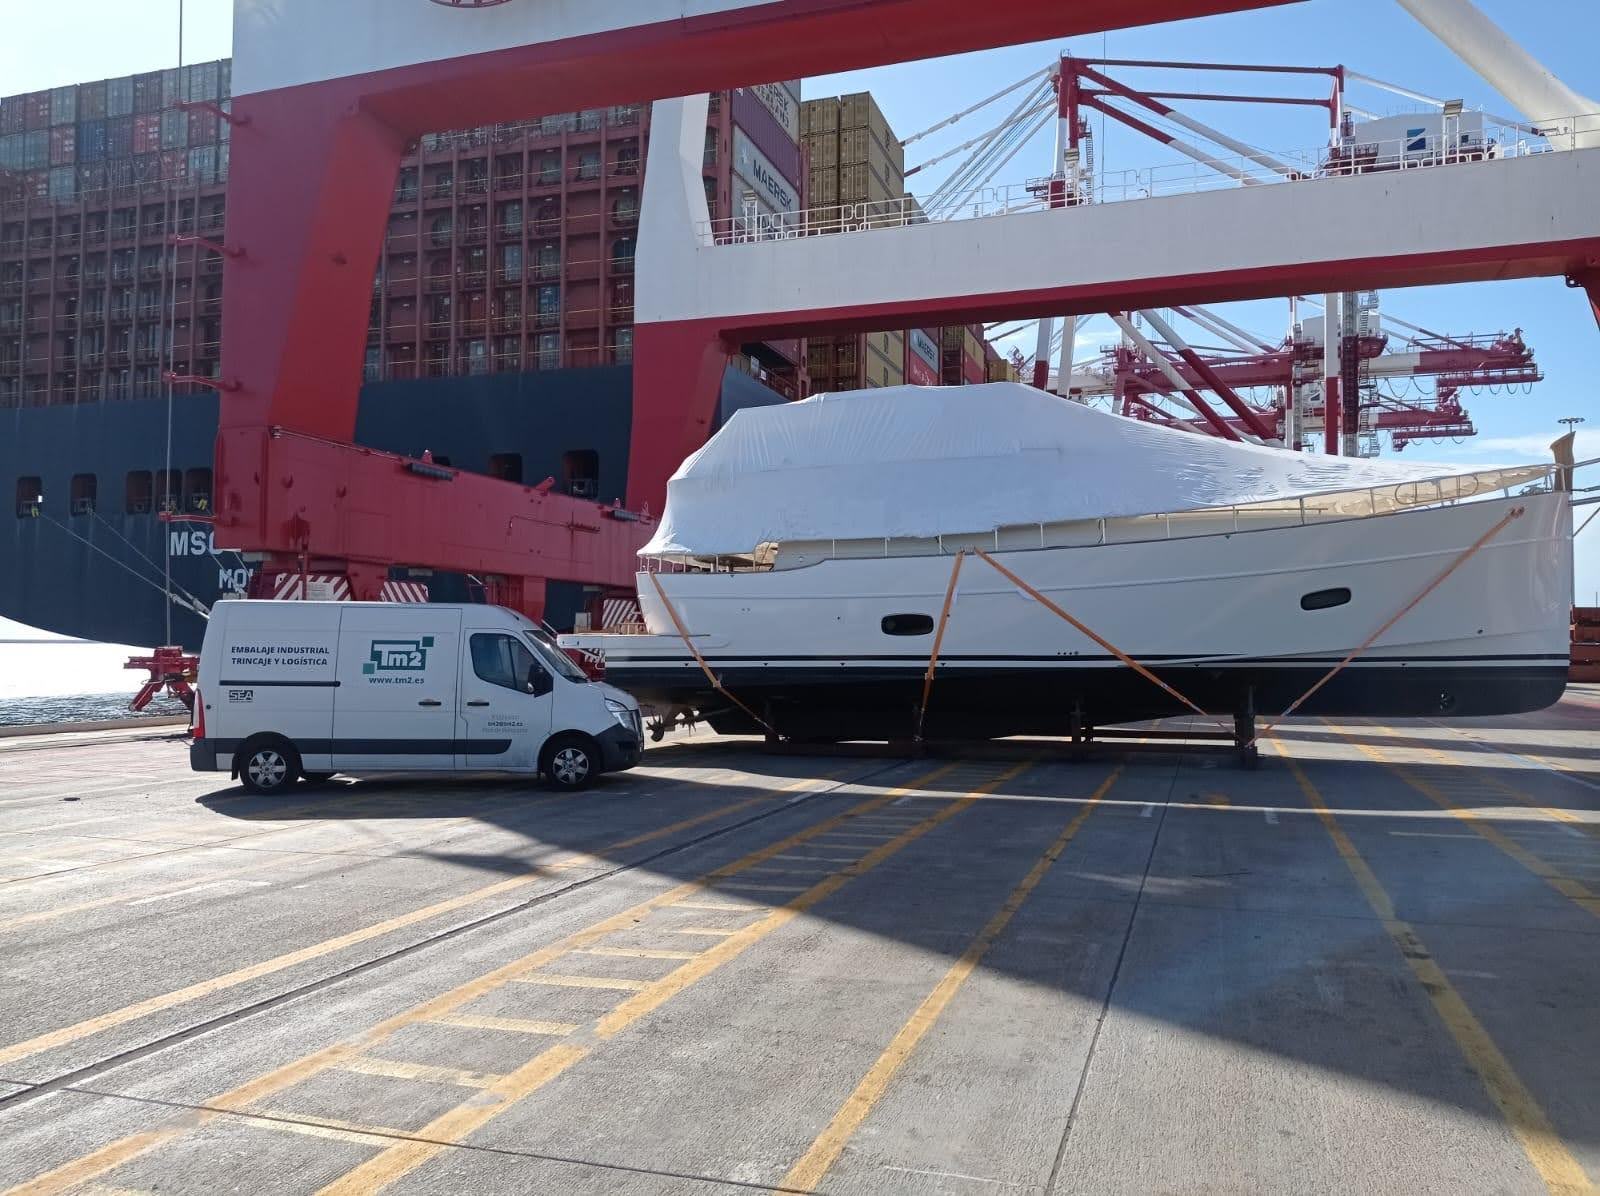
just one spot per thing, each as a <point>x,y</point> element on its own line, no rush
<point>197,491</point>
<point>169,490</point>
<point>580,473</point>
<point>1323,599</point>
<point>139,491</point>
<point>84,490</point>
<point>907,624</point>
<point>502,660</point>
<point>30,497</point>
<point>506,466</point>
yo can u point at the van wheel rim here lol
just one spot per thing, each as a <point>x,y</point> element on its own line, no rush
<point>570,765</point>
<point>268,769</point>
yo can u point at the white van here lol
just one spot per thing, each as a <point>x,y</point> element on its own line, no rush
<point>308,689</point>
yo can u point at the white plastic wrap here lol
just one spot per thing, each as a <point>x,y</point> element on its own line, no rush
<point>914,461</point>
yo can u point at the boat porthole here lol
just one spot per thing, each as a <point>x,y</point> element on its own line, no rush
<point>1324,599</point>
<point>907,624</point>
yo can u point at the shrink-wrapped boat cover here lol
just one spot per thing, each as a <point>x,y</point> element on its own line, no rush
<point>924,461</point>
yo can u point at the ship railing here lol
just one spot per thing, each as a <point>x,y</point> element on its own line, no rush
<point>1496,142</point>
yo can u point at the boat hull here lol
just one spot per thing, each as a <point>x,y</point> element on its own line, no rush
<point>1234,622</point>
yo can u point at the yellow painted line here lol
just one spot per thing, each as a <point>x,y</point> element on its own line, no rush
<point>511,1025</point>
<point>171,886</point>
<point>669,986</point>
<point>324,1127</point>
<point>555,1059</point>
<point>619,983</point>
<point>1575,891</point>
<point>706,932</point>
<point>809,1171</point>
<point>761,888</point>
<point>399,1069</point>
<point>1540,1142</point>
<point>205,988</point>
<point>726,907</point>
<point>404,1156</point>
<point>635,953</point>
<point>820,859</point>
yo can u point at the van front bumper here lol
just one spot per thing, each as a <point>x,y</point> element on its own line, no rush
<point>620,748</point>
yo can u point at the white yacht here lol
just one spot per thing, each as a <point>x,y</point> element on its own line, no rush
<point>806,557</point>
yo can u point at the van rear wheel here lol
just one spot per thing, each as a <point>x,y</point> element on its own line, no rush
<point>267,765</point>
<point>570,762</point>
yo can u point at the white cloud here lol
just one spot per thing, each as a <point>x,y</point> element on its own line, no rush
<point>1534,446</point>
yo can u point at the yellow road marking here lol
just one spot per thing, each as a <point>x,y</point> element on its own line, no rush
<point>806,1174</point>
<point>1544,1148</point>
<point>562,981</point>
<point>399,1069</point>
<point>1575,891</point>
<point>171,886</point>
<point>324,1127</point>
<point>705,931</point>
<point>239,1100</point>
<point>760,888</point>
<point>820,859</point>
<point>206,988</point>
<point>511,1025</point>
<point>635,953</point>
<point>726,907</point>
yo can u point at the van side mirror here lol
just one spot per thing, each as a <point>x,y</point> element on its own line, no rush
<point>539,682</point>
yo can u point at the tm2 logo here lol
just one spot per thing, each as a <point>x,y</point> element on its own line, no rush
<point>398,656</point>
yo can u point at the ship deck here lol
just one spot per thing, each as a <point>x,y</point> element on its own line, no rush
<point>1371,965</point>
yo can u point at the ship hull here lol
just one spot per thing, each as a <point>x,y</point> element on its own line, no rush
<point>104,574</point>
<point>1234,622</point>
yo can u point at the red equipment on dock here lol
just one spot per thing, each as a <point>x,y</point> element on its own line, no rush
<point>171,669</point>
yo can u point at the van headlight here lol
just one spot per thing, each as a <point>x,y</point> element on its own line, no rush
<point>622,714</point>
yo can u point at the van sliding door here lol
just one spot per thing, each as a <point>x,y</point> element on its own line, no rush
<point>395,707</point>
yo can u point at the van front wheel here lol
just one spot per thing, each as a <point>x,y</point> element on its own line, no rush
<point>267,765</point>
<point>571,762</point>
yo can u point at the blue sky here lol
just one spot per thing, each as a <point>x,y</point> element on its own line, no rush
<point>1376,37</point>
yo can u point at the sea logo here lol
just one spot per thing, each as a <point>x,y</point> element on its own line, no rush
<point>398,656</point>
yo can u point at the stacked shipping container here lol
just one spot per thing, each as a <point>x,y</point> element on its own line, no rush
<point>138,129</point>
<point>510,248</point>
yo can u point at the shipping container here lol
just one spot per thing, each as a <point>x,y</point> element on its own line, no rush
<point>11,118</point>
<point>861,111</point>
<point>36,110</point>
<point>174,165</point>
<point>147,168</point>
<point>203,164</point>
<point>92,178</point>
<point>203,127</point>
<point>861,184</point>
<point>64,106</point>
<point>174,129</point>
<point>120,172</point>
<point>91,141</point>
<point>750,117</point>
<point>824,150</point>
<point>147,93</point>
<point>119,96</point>
<point>92,101</point>
<point>11,151</point>
<point>36,149</point>
<point>119,137</point>
<point>223,152</point>
<point>146,133</point>
<point>820,116</point>
<point>36,184</point>
<point>922,357</point>
<point>782,102</point>
<point>64,146</point>
<point>64,182</point>
<point>823,188</point>
<point>174,87</point>
<point>203,82</point>
<point>225,78</point>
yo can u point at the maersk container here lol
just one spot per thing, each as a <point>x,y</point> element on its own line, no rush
<point>751,116</point>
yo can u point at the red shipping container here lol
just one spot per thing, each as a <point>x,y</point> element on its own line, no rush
<point>63,146</point>
<point>36,184</point>
<point>175,165</point>
<point>147,168</point>
<point>203,126</point>
<point>147,133</point>
<point>972,372</point>
<point>36,110</point>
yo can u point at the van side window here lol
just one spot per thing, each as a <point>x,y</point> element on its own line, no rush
<point>502,660</point>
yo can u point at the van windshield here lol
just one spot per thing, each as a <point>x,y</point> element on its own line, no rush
<point>556,660</point>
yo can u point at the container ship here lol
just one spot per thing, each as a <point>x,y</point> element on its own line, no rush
<point>500,337</point>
